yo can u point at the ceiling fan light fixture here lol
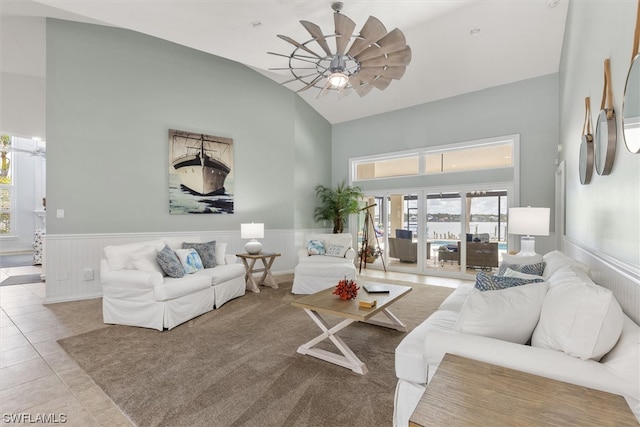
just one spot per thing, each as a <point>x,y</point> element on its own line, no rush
<point>338,80</point>
<point>358,62</point>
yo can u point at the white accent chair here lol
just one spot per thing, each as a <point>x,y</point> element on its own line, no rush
<point>315,273</point>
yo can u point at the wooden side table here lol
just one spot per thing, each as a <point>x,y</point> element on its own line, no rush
<point>466,392</point>
<point>249,261</point>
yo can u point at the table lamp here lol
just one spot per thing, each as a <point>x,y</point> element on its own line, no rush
<point>528,222</point>
<point>252,231</point>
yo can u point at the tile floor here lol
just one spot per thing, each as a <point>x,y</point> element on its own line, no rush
<point>36,375</point>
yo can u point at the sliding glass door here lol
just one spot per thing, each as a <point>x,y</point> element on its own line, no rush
<point>443,230</point>
<point>428,231</point>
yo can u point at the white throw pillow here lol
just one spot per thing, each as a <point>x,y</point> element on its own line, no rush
<point>521,260</point>
<point>190,260</point>
<point>146,260</point>
<point>118,255</point>
<point>336,250</point>
<point>579,318</point>
<point>509,314</point>
<point>512,273</point>
<point>221,251</point>
<point>555,260</point>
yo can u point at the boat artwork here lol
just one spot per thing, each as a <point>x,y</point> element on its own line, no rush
<point>202,163</point>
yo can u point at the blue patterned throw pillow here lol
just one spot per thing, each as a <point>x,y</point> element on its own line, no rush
<point>170,263</point>
<point>486,282</point>
<point>190,260</point>
<point>315,247</point>
<point>206,251</point>
<point>535,269</point>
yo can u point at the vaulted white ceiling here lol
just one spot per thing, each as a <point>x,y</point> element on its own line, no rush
<point>517,39</point>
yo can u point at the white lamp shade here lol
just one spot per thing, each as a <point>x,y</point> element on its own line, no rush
<point>529,221</point>
<point>252,231</point>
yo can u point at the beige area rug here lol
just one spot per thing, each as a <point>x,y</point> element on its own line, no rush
<point>238,366</point>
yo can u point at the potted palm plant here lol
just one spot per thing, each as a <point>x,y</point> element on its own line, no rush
<point>336,203</point>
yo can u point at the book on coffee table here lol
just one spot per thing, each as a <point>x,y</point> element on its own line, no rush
<point>376,289</point>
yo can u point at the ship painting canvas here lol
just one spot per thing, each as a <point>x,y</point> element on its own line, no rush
<point>200,173</point>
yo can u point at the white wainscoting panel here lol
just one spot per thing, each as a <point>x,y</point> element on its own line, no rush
<point>69,255</point>
<point>623,279</point>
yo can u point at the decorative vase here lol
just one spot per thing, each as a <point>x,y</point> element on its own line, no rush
<point>346,289</point>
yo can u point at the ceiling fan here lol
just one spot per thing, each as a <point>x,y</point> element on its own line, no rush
<point>360,62</point>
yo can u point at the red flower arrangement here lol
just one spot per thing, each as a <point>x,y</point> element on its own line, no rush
<point>346,289</point>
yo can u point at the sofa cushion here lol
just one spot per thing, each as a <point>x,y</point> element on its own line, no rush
<point>315,247</point>
<point>118,255</point>
<point>508,314</point>
<point>221,251</point>
<point>624,356</point>
<point>190,260</point>
<point>410,353</point>
<point>222,273</point>
<point>455,301</point>
<point>169,262</point>
<point>555,260</point>
<point>578,317</point>
<point>173,288</point>
<point>145,259</point>
<point>487,282</point>
<point>206,251</point>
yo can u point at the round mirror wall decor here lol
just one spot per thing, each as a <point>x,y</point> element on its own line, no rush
<point>586,159</point>
<point>631,101</point>
<point>631,108</point>
<point>606,134</point>
<point>586,146</point>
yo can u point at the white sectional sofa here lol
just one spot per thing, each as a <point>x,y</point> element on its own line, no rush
<point>323,261</point>
<point>565,328</point>
<point>137,293</point>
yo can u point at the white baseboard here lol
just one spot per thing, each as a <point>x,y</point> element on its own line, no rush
<point>67,256</point>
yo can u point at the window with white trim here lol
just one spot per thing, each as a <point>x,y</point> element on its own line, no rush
<point>469,156</point>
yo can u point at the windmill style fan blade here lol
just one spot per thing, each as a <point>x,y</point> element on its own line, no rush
<point>392,42</point>
<point>296,44</point>
<point>391,72</point>
<point>344,31</point>
<point>381,83</point>
<point>396,59</point>
<point>361,88</point>
<point>316,33</point>
<point>298,79</point>
<point>311,84</point>
<point>372,31</point>
<point>394,72</point>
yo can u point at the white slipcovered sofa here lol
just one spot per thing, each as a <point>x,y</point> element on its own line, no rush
<point>565,328</point>
<point>322,262</point>
<point>137,293</point>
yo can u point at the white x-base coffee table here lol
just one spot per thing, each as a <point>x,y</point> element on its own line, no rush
<point>324,302</point>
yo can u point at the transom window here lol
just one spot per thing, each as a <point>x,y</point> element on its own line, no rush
<point>469,156</point>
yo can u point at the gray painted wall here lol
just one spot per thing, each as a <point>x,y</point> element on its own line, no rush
<point>603,216</point>
<point>113,94</point>
<point>528,108</point>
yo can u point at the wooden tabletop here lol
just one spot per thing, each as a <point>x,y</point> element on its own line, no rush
<point>326,302</point>
<point>465,392</point>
